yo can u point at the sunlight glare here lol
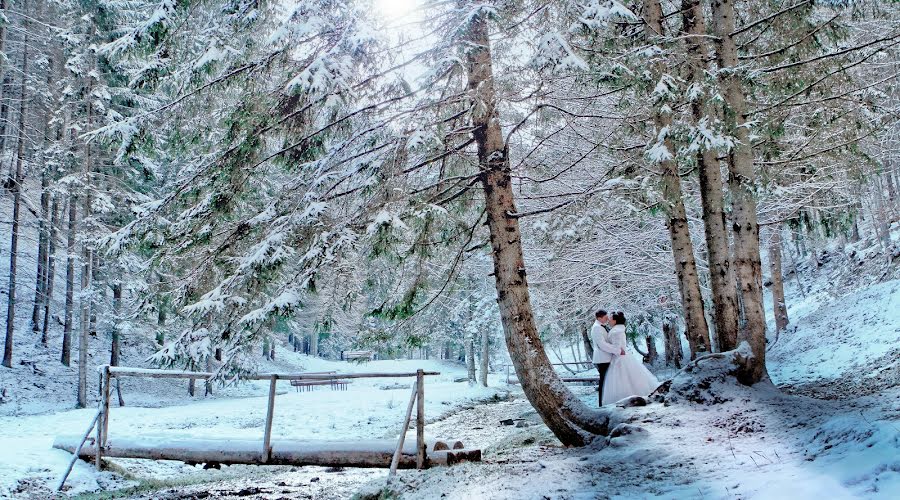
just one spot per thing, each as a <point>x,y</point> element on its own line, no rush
<point>393,10</point>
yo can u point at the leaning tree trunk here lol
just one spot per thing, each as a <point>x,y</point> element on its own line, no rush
<point>697,331</point>
<point>742,188</point>
<point>16,189</point>
<point>566,416</point>
<point>778,304</point>
<point>51,268</point>
<point>721,274</point>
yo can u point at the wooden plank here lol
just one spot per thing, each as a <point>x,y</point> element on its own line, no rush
<point>420,419</point>
<point>121,371</point>
<point>267,436</point>
<point>580,379</point>
<point>77,451</point>
<point>395,461</point>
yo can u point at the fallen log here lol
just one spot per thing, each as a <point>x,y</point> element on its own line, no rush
<point>365,453</point>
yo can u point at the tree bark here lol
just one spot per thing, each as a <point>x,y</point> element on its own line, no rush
<point>87,261</point>
<point>566,416</point>
<point>51,268</point>
<point>672,343</point>
<point>742,188</point>
<point>721,274</point>
<point>16,189</point>
<point>116,336</point>
<point>588,346</point>
<point>40,285</point>
<point>314,343</point>
<point>652,354</point>
<point>697,330</point>
<point>70,280</point>
<point>470,357</point>
<point>779,306</point>
<point>485,357</point>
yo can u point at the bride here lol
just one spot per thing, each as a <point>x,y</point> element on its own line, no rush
<point>627,375</point>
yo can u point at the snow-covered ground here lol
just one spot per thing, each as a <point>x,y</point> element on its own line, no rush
<point>370,408</point>
<point>829,426</point>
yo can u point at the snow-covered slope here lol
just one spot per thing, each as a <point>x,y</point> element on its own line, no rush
<point>856,336</point>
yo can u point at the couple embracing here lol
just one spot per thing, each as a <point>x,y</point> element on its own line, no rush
<point>621,374</point>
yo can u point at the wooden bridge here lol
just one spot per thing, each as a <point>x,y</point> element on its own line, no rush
<point>213,452</point>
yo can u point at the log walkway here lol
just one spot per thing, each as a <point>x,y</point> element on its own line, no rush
<point>372,453</point>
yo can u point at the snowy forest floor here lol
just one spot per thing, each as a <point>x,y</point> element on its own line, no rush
<point>828,426</point>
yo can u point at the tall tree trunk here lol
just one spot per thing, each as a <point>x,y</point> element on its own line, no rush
<point>66,356</point>
<point>566,416</point>
<point>116,336</point>
<point>588,346</point>
<point>470,357</point>
<point>779,306</point>
<point>652,354</point>
<point>721,274</point>
<point>16,189</point>
<point>314,343</point>
<point>87,261</point>
<point>43,240</point>
<point>672,343</point>
<point>697,331</point>
<point>485,357</point>
<point>51,268</point>
<point>742,188</point>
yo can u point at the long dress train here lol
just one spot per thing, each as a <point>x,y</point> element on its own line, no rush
<point>627,375</point>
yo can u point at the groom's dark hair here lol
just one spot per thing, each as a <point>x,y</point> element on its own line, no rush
<point>600,313</point>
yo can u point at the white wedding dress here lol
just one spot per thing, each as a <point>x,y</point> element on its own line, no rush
<point>627,375</point>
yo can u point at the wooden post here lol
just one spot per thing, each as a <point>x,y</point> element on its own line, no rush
<point>77,452</point>
<point>267,437</point>
<point>103,423</point>
<point>107,387</point>
<point>396,460</point>
<point>420,419</point>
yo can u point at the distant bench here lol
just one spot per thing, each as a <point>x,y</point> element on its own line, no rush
<point>308,385</point>
<point>355,355</point>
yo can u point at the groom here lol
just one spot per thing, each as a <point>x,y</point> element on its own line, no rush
<point>604,351</point>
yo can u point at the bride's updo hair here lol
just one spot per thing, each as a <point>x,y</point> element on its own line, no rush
<point>619,318</point>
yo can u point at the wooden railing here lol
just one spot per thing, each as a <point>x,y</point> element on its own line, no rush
<point>107,373</point>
